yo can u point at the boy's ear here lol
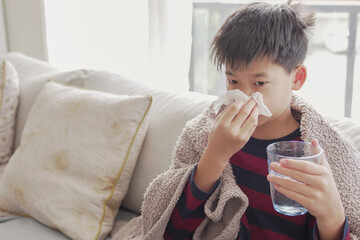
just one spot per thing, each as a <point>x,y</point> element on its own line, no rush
<point>300,77</point>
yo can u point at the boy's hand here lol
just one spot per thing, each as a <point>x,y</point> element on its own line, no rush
<point>317,192</point>
<point>230,132</point>
<point>232,129</point>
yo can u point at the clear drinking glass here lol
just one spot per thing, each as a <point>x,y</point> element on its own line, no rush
<point>290,150</point>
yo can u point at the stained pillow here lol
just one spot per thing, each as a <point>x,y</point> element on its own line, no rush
<point>9,98</point>
<point>75,159</point>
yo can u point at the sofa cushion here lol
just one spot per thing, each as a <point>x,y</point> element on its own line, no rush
<point>20,228</point>
<point>170,112</point>
<point>31,86</point>
<point>9,98</point>
<point>28,228</point>
<point>33,74</point>
<point>28,67</point>
<point>76,157</point>
<point>350,128</point>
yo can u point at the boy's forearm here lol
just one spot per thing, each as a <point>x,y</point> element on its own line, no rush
<point>209,170</point>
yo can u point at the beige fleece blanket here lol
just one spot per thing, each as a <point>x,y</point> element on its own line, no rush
<point>228,203</point>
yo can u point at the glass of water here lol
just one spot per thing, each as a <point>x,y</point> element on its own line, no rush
<point>290,150</point>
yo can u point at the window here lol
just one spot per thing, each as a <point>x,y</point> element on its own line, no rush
<point>333,83</point>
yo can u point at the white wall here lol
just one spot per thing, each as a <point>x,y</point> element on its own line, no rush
<point>110,35</point>
<point>25,26</point>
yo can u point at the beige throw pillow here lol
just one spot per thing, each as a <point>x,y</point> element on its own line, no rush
<point>9,98</point>
<point>76,156</point>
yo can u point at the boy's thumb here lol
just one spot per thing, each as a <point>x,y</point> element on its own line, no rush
<point>323,160</point>
<point>315,142</point>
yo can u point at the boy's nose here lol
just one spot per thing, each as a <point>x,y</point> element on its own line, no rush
<point>247,91</point>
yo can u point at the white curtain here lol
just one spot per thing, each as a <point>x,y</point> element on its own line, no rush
<point>147,40</point>
<point>3,40</point>
<point>170,42</point>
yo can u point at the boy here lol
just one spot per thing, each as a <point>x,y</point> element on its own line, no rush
<point>218,184</point>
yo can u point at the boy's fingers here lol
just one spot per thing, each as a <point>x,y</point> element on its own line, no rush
<point>251,122</point>
<point>315,142</point>
<point>244,113</point>
<point>306,178</point>
<point>298,197</point>
<point>230,112</point>
<point>323,160</point>
<point>302,166</point>
<point>222,113</point>
<point>298,187</point>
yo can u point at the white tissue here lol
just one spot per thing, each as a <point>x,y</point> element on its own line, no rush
<point>234,95</point>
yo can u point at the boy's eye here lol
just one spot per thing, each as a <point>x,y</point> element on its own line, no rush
<point>232,81</point>
<point>259,83</point>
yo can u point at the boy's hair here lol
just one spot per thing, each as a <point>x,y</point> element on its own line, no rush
<point>279,32</point>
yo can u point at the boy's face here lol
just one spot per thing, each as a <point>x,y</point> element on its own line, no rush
<point>272,81</point>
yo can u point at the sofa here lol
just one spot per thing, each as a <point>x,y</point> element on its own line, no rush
<point>167,117</point>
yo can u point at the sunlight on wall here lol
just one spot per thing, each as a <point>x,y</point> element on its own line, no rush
<point>110,34</point>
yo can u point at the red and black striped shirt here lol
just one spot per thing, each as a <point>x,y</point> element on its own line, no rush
<point>260,220</point>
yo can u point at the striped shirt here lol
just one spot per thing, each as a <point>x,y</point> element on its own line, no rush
<point>260,220</point>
